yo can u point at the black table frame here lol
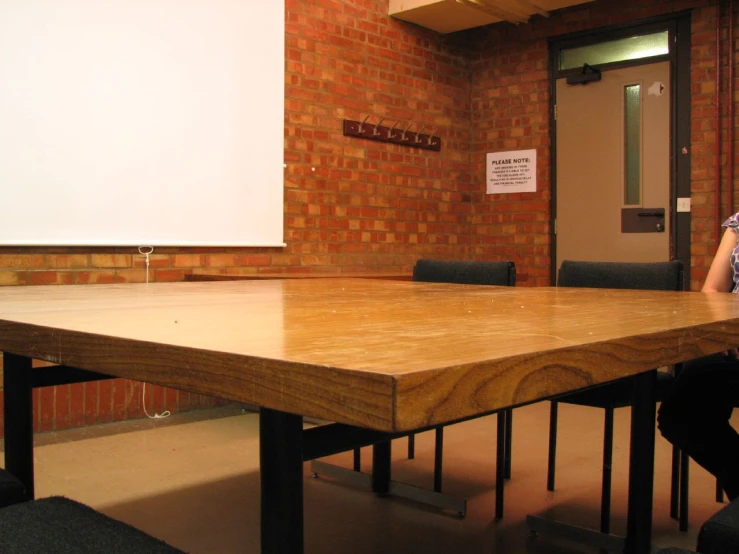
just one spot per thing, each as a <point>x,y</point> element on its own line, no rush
<point>285,445</point>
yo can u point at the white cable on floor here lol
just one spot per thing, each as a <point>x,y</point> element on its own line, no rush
<point>164,414</point>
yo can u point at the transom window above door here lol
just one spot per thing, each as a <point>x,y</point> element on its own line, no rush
<point>631,48</point>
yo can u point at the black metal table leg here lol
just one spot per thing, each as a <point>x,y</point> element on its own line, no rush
<point>18,419</point>
<point>508,441</point>
<point>281,474</point>
<point>684,474</point>
<point>552,460</point>
<point>607,475</point>
<point>675,484</point>
<point>438,459</point>
<point>381,470</point>
<point>719,492</point>
<point>641,465</point>
<point>500,466</point>
<point>357,459</point>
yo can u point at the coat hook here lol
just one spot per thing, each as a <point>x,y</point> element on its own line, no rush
<point>383,131</point>
<point>361,125</point>
<point>431,137</point>
<point>376,132</point>
<point>403,137</point>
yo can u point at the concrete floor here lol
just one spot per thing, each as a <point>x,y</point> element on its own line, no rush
<point>193,480</point>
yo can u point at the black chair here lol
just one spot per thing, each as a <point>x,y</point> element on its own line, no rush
<point>618,275</point>
<point>58,525</point>
<point>720,534</point>
<point>466,273</point>
<point>502,273</point>
<point>12,490</point>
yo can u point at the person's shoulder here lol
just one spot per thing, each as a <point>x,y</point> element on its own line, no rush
<point>732,222</point>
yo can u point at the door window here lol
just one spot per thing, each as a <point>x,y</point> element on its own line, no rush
<point>632,145</point>
<point>632,48</point>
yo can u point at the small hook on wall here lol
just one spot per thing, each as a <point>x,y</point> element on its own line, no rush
<point>376,132</point>
<point>361,125</point>
<point>403,137</point>
<point>433,134</point>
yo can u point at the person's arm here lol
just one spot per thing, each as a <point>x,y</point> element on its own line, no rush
<point>720,277</point>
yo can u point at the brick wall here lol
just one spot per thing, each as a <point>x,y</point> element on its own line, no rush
<point>354,205</point>
<point>510,107</point>
<point>81,404</point>
<point>357,204</point>
<point>709,208</point>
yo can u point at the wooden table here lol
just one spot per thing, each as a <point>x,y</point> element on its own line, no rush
<point>379,357</point>
<point>262,276</point>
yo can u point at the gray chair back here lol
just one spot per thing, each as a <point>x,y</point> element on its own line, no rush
<point>463,272</point>
<point>720,534</point>
<point>622,275</point>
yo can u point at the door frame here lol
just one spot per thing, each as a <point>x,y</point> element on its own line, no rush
<point>678,27</point>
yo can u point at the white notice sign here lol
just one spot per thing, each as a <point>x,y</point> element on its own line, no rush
<point>511,171</point>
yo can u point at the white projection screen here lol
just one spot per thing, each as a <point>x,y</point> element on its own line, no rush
<point>142,122</point>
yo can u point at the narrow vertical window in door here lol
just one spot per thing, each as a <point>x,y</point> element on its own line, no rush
<point>632,145</point>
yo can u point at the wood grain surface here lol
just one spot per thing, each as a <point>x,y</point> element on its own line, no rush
<point>385,354</point>
<point>256,276</point>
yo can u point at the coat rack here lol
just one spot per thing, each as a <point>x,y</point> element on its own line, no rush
<point>395,134</point>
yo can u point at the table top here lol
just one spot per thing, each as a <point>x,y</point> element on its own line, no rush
<point>389,355</point>
<point>257,276</point>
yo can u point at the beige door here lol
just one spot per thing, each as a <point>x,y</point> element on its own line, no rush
<point>592,170</point>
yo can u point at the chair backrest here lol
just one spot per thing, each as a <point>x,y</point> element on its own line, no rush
<point>468,273</point>
<point>622,275</point>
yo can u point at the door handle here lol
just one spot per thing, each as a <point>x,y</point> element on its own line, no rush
<point>644,219</point>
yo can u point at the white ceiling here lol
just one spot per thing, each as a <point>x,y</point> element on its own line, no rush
<point>448,16</point>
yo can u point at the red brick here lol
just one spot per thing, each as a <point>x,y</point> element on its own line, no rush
<point>11,277</point>
<point>96,277</point>
<point>68,261</point>
<point>50,278</point>
<point>77,405</point>
<point>169,275</point>
<point>132,276</point>
<point>105,401</point>
<point>120,399</point>
<point>36,409</point>
<point>61,419</point>
<point>22,261</point>
<point>47,407</point>
<point>188,260</point>
<point>171,397</point>
<point>91,402</point>
<point>133,399</point>
<point>110,260</point>
<point>157,396</point>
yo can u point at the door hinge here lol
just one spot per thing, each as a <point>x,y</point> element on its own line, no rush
<point>555,227</point>
<point>555,112</point>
